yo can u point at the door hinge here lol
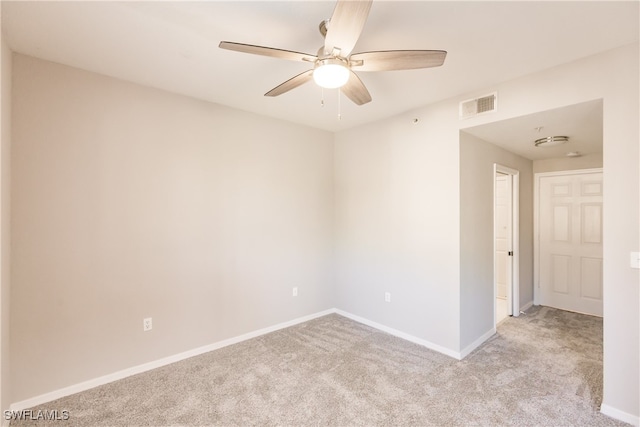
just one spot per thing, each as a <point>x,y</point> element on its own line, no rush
<point>510,253</point>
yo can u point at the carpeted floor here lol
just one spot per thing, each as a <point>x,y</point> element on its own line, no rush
<point>541,369</point>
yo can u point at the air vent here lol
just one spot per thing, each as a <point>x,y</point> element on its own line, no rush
<point>477,106</point>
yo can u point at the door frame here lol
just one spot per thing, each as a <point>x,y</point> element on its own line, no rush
<point>536,220</point>
<point>513,291</point>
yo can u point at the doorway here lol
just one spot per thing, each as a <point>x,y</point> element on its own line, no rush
<point>506,243</point>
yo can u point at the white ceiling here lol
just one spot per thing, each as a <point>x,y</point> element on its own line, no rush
<point>174,46</point>
<point>582,123</point>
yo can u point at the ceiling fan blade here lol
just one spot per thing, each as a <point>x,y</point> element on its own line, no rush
<point>268,51</point>
<point>345,26</point>
<point>355,90</point>
<point>292,83</point>
<point>397,60</point>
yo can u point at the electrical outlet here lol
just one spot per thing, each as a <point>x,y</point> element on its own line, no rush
<point>387,297</point>
<point>147,324</point>
<point>295,291</point>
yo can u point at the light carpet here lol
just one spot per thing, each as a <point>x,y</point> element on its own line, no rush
<point>543,368</point>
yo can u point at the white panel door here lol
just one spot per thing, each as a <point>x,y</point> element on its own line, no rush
<point>570,242</point>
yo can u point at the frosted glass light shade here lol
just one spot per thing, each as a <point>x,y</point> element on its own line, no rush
<point>330,75</point>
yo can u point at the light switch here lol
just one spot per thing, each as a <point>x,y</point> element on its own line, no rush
<point>635,260</point>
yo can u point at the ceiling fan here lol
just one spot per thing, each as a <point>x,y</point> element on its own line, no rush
<point>334,65</point>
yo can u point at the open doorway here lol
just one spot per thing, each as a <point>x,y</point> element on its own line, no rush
<point>505,236</point>
<point>502,233</point>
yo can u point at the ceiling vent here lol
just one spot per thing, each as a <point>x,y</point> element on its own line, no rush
<point>474,107</point>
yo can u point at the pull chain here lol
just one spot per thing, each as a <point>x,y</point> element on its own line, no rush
<point>339,102</point>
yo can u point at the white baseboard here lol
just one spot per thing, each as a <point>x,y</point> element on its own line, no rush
<point>612,412</point>
<point>400,334</point>
<point>477,343</point>
<point>105,379</point>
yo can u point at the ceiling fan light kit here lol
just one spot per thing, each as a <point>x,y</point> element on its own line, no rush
<point>334,65</point>
<point>331,73</point>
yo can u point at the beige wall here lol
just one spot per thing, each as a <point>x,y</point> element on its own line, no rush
<point>622,233</point>
<point>397,224</point>
<point>477,159</point>
<point>588,161</point>
<point>130,202</point>
<point>5,224</point>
